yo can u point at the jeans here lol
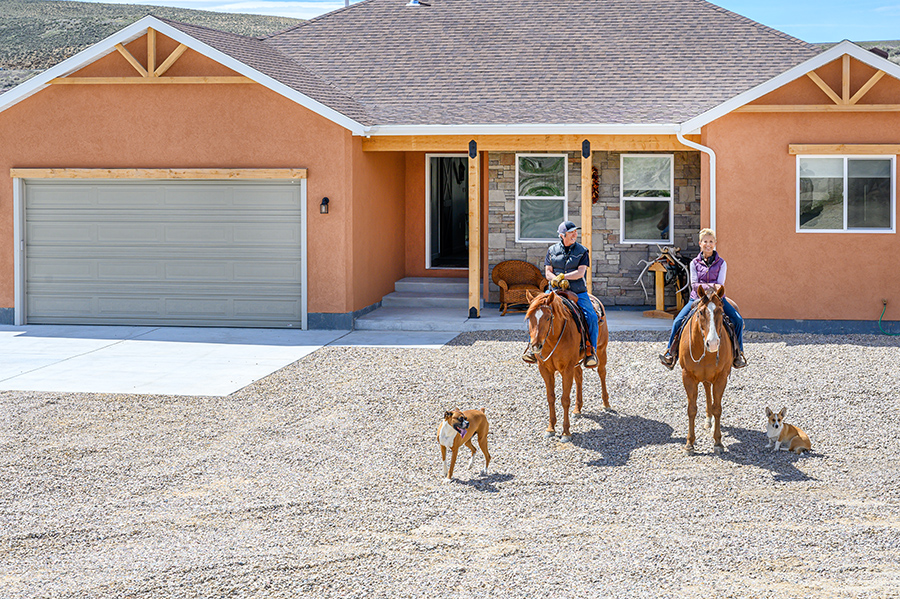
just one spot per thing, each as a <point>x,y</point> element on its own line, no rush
<point>590,315</point>
<point>729,311</point>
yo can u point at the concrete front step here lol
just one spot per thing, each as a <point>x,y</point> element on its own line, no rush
<point>401,299</point>
<point>433,285</point>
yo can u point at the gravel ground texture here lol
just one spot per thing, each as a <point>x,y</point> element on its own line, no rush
<point>324,480</point>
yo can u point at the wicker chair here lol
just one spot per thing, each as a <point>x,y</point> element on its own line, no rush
<point>515,278</point>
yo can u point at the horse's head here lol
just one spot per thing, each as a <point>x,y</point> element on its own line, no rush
<point>540,317</point>
<point>710,313</point>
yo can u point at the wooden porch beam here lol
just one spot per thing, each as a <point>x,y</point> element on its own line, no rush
<point>474,231</point>
<point>524,143</point>
<point>158,173</point>
<point>587,205</point>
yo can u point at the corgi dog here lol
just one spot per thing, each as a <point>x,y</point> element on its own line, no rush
<point>781,433</point>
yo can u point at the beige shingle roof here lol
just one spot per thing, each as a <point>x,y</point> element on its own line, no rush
<point>381,62</point>
<point>539,61</point>
<point>268,60</point>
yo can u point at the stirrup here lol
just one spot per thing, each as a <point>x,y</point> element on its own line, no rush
<point>591,361</point>
<point>668,360</point>
<point>740,361</point>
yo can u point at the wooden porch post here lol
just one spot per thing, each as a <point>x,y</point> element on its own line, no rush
<point>474,232</point>
<point>587,182</point>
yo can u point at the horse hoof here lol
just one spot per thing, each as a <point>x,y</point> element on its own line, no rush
<point>689,449</point>
<point>565,439</point>
<point>549,434</point>
<point>576,415</point>
<point>709,423</point>
<point>719,449</point>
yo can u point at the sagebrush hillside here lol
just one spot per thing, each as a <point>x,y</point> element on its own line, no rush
<point>37,34</point>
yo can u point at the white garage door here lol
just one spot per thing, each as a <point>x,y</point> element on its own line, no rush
<point>188,253</point>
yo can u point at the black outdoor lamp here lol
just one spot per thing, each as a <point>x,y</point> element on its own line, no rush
<point>323,207</point>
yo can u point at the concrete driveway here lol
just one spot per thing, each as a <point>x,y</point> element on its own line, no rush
<point>165,360</point>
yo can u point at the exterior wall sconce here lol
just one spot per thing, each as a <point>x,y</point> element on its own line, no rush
<point>323,207</point>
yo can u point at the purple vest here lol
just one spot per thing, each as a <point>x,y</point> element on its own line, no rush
<point>706,275</point>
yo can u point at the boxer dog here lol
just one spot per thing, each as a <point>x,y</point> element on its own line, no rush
<point>781,433</point>
<point>457,429</point>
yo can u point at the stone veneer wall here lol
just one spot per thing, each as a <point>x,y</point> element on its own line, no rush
<point>615,266</point>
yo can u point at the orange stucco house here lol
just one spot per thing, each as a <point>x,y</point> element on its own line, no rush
<point>173,174</point>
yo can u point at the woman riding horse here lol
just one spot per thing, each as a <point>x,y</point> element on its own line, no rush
<point>565,266</point>
<point>707,268</point>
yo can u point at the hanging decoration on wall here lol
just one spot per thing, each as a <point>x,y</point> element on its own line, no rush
<point>595,185</point>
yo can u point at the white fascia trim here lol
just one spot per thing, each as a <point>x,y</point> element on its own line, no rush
<point>136,30</point>
<point>526,129</point>
<point>833,53</point>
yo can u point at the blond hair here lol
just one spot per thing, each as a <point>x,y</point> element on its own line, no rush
<point>705,232</point>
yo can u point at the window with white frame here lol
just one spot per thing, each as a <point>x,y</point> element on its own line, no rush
<point>541,184</point>
<point>647,198</point>
<point>837,194</point>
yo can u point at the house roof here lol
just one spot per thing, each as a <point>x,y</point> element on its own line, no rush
<point>505,66</point>
<point>535,61</point>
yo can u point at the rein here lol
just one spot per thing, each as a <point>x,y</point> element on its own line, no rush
<point>540,355</point>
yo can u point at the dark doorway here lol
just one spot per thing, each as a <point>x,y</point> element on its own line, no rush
<point>449,211</point>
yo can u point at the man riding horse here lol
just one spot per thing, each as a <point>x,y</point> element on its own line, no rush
<point>566,266</point>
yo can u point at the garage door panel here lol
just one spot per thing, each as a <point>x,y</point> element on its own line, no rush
<point>204,253</point>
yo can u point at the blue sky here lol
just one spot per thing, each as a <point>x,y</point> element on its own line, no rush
<point>809,20</point>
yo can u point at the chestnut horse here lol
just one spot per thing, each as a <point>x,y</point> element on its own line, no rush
<point>706,356</point>
<point>556,341</point>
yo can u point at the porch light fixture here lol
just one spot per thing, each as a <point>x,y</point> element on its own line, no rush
<point>323,207</point>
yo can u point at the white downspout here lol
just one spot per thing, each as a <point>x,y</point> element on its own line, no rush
<point>712,175</point>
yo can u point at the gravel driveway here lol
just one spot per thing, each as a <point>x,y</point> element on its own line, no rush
<point>322,480</point>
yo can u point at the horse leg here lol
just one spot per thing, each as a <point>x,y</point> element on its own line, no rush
<point>578,396</point>
<point>690,387</point>
<point>709,404</point>
<point>718,392</point>
<point>601,370</point>
<point>567,378</point>
<point>550,383</point>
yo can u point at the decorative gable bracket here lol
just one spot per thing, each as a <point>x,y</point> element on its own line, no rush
<point>151,74</point>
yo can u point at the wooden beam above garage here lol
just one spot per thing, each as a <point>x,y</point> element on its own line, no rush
<point>158,173</point>
<point>523,143</point>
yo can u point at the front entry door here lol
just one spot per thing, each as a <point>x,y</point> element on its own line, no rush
<point>448,226</point>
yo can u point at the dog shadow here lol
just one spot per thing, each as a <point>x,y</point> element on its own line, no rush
<point>618,436</point>
<point>751,450</point>
<point>485,483</point>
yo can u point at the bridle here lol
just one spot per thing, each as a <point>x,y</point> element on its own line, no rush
<point>694,312</point>
<point>540,355</point>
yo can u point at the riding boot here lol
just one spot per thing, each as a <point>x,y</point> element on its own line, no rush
<point>740,361</point>
<point>590,361</point>
<point>667,359</point>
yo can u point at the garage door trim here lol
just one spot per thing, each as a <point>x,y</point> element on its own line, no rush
<point>19,217</point>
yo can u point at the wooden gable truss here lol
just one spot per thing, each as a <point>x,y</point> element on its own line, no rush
<point>151,74</point>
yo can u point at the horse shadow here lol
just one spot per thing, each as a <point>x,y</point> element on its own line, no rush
<point>618,436</point>
<point>485,483</point>
<point>751,450</point>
